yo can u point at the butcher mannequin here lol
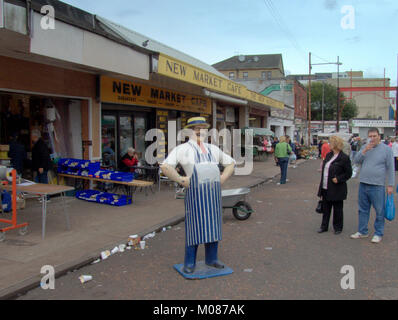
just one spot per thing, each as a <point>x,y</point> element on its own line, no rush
<point>203,207</point>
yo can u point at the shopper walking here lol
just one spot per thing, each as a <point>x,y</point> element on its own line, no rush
<point>282,153</point>
<point>336,170</point>
<point>377,167</point>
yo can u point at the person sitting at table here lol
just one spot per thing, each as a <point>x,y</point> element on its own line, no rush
<point>129,160</point>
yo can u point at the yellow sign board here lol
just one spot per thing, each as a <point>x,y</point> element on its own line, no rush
<point>176,69</point>
<point>133,93</point>
<point>259,98</point>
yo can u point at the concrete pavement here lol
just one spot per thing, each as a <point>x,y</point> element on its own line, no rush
<point>94,228</point>
<point>276,254</point>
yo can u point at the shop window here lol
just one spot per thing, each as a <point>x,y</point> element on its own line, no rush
<point>58,120</point>
<point>139,135</point>
<point>63,127</point>
<point>109,145</point>
<point>126,134</point>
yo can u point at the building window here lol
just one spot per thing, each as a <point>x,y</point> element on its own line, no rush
<point>232,75</point>
<point>269,75</point>
<point>245,75</point>
<point>263,75</point>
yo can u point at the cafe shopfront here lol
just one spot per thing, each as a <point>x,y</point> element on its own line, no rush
<point>129,109</point>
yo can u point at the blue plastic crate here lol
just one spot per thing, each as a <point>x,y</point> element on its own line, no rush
<point>74,166</point>
<point>103,197</point>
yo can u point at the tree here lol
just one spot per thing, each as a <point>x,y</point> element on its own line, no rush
<point>348,108</point>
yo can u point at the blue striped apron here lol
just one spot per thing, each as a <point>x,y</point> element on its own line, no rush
<point>203,201</point>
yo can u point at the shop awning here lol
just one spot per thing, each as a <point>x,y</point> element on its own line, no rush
<point>175,64</point>
<point>259,131</point>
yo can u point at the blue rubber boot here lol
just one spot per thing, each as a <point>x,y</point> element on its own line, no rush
<point>190,258</point>
<point>211,252</point>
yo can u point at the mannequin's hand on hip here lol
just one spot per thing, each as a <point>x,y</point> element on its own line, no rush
<point>185,182</point>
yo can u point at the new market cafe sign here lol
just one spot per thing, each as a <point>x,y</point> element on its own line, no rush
<point>132,93</point>
<point>176,69</point>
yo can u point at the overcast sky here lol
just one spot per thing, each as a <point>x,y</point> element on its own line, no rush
<point>214,30</point>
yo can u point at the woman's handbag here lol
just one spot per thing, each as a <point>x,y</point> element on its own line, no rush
<point>287,149</point>
<point>389,211</point>
<point>319,207</point>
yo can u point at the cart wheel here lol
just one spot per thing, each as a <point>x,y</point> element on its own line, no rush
<point>22,231</point>
<point>242,210</point>
<point>2,236</point>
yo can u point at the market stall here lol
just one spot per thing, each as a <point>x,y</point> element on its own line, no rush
<point>261,146</point>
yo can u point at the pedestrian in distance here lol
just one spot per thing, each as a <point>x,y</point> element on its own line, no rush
<point>274,143</point>
<point>395,152</point>
<point>336,170</point>
<point>355,145</point>
<point>325,149</point>
<point>292,157</point>
<point>377,174</point>
<point>282,153</point>
<point>320,148</point>
<point>41,161</point>
<point>17,153</point>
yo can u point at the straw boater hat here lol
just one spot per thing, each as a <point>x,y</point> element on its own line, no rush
<point>195,121</point>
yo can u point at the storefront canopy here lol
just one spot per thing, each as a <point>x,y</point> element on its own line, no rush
<point>259,131</point>
<point>180,66</point>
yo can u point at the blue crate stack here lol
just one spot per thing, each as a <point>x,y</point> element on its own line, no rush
<point>89,168</point>
<point>103,197</point>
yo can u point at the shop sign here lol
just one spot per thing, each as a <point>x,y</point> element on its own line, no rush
<point>176,69</point>
<point>374,123</point>
<point>284,114</point>
<point>258,112</point>
<point>133,93</point>
<point>1,13</point>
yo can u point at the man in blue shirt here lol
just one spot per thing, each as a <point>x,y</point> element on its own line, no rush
<point>377,164</point>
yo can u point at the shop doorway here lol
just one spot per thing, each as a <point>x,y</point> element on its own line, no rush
<point>58,119</point>
<point>120,131</point>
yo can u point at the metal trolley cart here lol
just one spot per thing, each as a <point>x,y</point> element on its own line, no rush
<point>235,199</point>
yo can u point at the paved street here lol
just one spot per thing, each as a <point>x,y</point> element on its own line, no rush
<point>276,254</point>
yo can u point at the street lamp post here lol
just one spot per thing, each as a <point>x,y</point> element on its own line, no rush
<point>323,102</point>
<point>309,102</point>
<point>338,96</point>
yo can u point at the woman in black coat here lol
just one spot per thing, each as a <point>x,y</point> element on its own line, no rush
<point>336,170</point>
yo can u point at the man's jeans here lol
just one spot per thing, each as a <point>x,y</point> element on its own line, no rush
<point>371,195</point>
<point>283,163</point>
<point>352,155</point>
